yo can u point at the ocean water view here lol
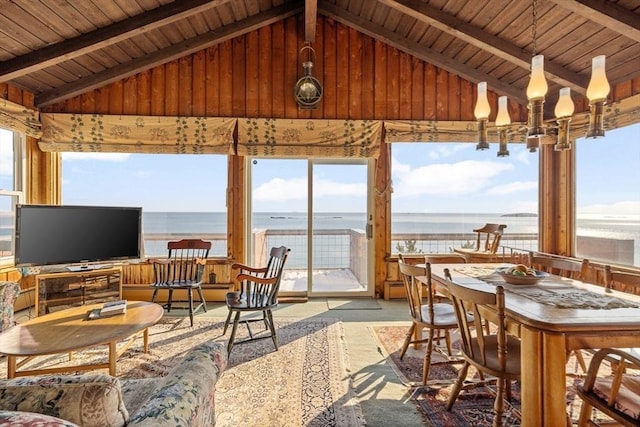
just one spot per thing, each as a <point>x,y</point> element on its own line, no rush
<point>167,224</point>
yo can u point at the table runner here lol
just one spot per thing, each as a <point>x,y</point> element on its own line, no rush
<point>550,294</point>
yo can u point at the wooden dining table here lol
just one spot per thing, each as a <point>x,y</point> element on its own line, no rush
<point>552,318</point>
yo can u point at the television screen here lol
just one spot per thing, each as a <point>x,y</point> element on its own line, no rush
<point>65,234</point>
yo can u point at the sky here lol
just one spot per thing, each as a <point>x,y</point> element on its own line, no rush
<point>427,178</point>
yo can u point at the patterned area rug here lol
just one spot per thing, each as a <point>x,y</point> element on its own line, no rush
<point>474,406</point>
<point>304,383</point>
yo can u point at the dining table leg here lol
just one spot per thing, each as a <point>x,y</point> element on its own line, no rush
<point>543,363</point>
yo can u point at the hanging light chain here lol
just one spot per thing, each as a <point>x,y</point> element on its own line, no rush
<point>534,27</point>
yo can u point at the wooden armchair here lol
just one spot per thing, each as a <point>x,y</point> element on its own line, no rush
<point>487,243</point>
<point>616,395</point>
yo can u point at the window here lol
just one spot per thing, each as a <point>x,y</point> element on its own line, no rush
<point>11,188</point>
<point>608,197</point>
<point>182,196</point>
<point>442,191</point>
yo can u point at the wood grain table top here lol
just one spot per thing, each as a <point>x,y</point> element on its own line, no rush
<point>70,329</point>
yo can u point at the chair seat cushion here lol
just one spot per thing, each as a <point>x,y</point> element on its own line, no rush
<point>443,315</point>
<point>628,399</point>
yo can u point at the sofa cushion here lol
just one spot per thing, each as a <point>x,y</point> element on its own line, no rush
<point>31,419</point>
<point>87,400</point>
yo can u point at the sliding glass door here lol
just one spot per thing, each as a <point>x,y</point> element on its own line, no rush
<point>319,209</point>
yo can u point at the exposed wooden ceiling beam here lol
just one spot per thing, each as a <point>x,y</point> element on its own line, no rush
<point>485,41</point>
<point>310,15</point>
<point>424,53</point>
<point>607,14</point>
<point>102,37</point>
<point>174,52</point>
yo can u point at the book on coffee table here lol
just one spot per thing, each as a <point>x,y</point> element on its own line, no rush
<point>110,308</point>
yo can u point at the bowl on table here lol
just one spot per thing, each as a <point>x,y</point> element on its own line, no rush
<point>516,276</point>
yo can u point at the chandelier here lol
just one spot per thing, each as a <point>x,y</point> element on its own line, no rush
<point>597,92</point>
<point>308,90</point>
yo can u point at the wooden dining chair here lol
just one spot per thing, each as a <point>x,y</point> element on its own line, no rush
<point>614,392</point>
<point>564,267</point>
<point>259,287</point>
<point>434,317</point>
<point>182,270</point>
<point>496,353</point>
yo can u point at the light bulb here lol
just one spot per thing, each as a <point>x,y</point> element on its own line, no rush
<point>537,88</point>
<point>598,88</point>
<point>564,107</point>
<point>482,109</point>
<point>503,119</point>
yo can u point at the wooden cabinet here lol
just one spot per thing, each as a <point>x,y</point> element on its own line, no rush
<point>60,290</point>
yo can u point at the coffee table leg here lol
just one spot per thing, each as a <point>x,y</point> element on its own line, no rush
<point>145,340</point>
<point>112,358</point>
<point>11,367</point>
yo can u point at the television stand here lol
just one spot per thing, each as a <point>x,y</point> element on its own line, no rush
<point>57,291</point>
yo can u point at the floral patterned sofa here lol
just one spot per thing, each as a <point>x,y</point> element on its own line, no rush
<point>184,397</point>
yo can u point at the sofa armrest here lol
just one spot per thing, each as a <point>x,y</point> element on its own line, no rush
<point>186,395</point>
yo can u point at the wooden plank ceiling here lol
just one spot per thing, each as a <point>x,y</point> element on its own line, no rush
<point>58,49</point>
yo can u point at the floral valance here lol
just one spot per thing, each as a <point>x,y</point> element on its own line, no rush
<point>616,115</point>
<point>19,118</point>
<point>445,131</point>
<point>136,134</point>
<point>309,138</point>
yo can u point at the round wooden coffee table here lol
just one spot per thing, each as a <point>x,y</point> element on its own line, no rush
<point>70,330</point>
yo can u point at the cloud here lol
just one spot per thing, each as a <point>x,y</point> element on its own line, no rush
<point>278,189</point>
<point>512,188</point>
<point>107,157</point>
<point>465,177</point>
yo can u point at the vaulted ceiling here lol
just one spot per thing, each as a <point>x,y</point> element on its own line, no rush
<point>58,49</point>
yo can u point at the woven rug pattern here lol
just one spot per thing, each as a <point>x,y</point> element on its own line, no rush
<point>474,406</point>
<point>304,383</point>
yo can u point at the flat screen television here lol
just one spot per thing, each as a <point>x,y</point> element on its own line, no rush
<point>80,235</point>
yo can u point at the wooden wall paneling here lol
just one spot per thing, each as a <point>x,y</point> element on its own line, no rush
<point>226,79</point>
<point>265,69</point>
<point>236,209</point>
<point>417,89</point>
<point>330,69</point>
<point>115,98</point>
<point>4,91</point>
<point>380,66</point>
<point>466,100</point>
<point>454,97</point>
<point>368,78</point>
<point>143,99</point>
<point>278,66</point>
<point>430,92</point>
<point>344,73</point>
<point>318,65</point>
<point>15,94</point>
<point>212,82</point>
<point>293,68</point>
<point>239,79</point>
<point>442,95</point>
<point>355,74</point>
<point>252,74</point>
<point>381,215</point>
<point>184,86</point>
<point>130,95</point>
<point>405,85</point>
<point>88,102</point>
<point>171,88</point>
<point>199,79</point>
<point>622,90</point>
<point>73,105</point>
<point>157,91</point>
<point>392,83</point>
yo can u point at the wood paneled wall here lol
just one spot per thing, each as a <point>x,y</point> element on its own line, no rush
<point>254,76</point>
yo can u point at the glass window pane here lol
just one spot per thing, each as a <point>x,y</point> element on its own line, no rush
<point>442,191</point>
<point>182,196</point>
<point>608,197</point>
<point>7,166</point>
